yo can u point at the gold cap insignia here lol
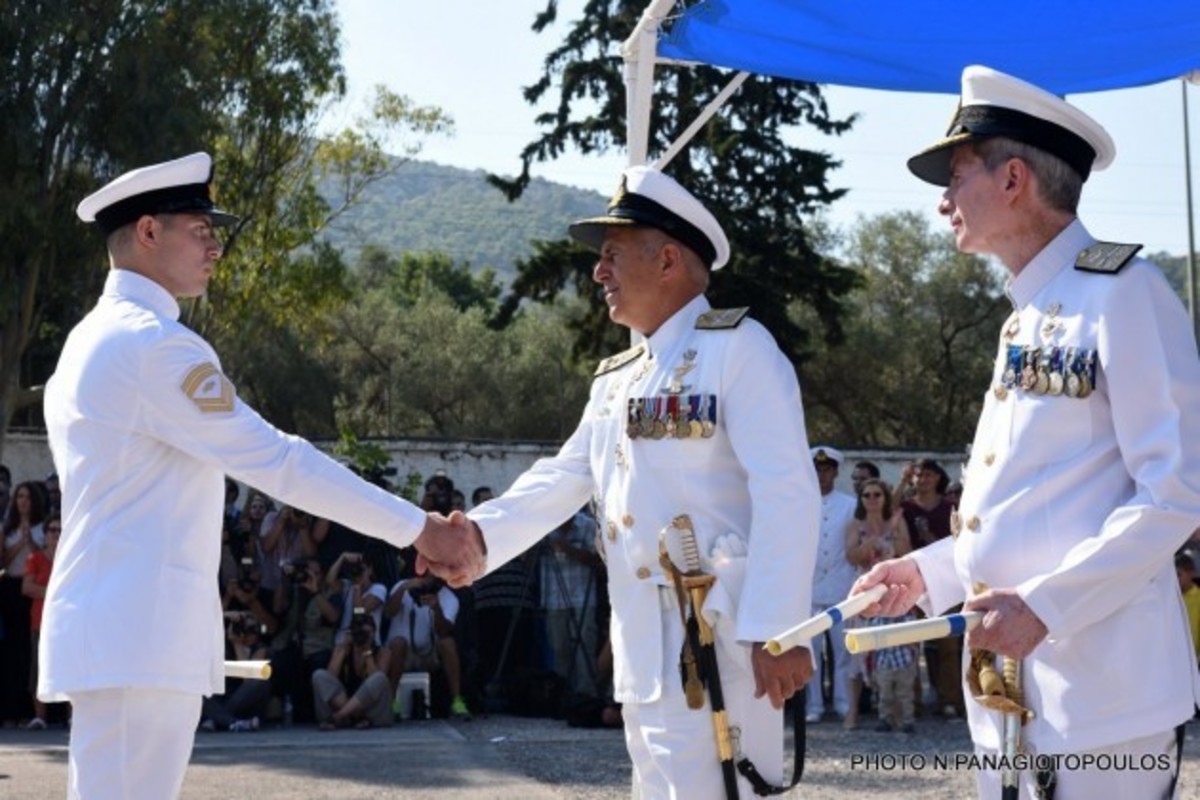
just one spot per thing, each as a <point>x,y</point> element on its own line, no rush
<point>619,195</point>
<point>211,391</point>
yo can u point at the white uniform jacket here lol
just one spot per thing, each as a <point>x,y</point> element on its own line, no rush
<point>750,484</point>
<point>1079,502</point>
<point>143,428</point>
<point>834,574</point>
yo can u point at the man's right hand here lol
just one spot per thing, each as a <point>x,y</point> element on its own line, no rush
<point>451,548</point>
<point>904,582</point>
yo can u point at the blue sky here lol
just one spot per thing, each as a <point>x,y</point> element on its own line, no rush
<point>472,57</point>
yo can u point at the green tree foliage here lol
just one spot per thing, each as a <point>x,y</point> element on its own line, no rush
<point>413,276</point>
<point>921,338</point>
<point>432,369</point>
<point>758,186</point>
<point>88,93</point>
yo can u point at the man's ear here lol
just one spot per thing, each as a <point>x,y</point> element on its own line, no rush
<point>1016,176</point>
<point>146,230</point>
<point>673,260</point>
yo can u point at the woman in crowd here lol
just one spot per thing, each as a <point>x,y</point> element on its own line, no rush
<point>21,536</point>
<point>37,578</point>
<point>875,534</point>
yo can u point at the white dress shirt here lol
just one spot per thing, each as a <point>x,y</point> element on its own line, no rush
<point>143,427</point>
<point>834,574</point>
<point>1080,503</point>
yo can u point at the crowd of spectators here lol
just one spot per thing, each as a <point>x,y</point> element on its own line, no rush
<point>342,618</point>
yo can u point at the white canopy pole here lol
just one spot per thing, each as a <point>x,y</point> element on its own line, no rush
<point>702,118</point>
<point>639,52</point>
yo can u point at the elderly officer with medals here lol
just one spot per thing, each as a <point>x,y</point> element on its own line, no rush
<point>694,448</point>
<point>1084,475</point>
<point>143,428</point>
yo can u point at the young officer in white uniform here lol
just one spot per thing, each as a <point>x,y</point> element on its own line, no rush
<point>701,417</point>
<point>832,580</point>
<point>1085,472</point>
<point>143,428</point>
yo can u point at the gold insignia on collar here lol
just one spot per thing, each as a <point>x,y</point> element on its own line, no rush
<point>619,195</point>
<point>1107,258</point>
<point>721,318</point>
<point>211,391</point>
<point>619,360</point>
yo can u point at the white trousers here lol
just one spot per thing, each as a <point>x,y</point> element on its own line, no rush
<point>130,744</point>
<point>841,669</point>
<point>674,748</point>
<point>1140,769</point>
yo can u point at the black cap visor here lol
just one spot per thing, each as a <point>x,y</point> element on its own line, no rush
<point>974,123</point>
<point>188,199</point>
<point>633,210</point>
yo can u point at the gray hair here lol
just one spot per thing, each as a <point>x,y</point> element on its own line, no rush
<point>1058,184</point>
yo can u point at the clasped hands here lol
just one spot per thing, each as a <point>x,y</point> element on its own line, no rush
<point>452,548</point>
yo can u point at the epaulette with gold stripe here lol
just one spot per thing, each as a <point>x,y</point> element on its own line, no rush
<point>719,319</point>
<point>1106,258</point>
<point>620,359</point>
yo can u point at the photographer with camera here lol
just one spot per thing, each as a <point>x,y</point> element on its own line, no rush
<point>354,690</point>
<point>286,536</point>
<point>242,593</point>
<point>244,701</point>
<point>421,635</point>
<point>310,611</point>
<point>354,577</point>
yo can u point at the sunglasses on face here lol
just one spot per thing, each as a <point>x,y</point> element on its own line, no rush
<point>872,495</point>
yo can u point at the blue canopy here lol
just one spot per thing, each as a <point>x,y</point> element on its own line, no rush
<point>1065,46</point>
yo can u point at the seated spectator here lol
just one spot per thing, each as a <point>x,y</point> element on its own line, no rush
<point>33,586</point>
<point>354,689</point>
<point>243,593</point>
<point>244,701</point>
<point>354,578</point>
<point>421,636</point>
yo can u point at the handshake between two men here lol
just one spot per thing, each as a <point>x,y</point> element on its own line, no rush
<point>452,548</point>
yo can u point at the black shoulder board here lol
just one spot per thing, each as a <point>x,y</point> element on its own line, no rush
<point>620,359</point>
<point>1106,257</point>
<point>719,319</point>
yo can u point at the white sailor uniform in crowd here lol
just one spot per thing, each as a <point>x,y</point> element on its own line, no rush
<point>1083,481</point>
<point>719,435</point>
<point>832,580</point>
<point>143,427</point>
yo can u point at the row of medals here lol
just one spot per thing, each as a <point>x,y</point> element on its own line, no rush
<point>672,417</point>
<point>1051,370</point>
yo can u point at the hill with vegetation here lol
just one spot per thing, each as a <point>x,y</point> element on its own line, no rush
<point>424,207</point>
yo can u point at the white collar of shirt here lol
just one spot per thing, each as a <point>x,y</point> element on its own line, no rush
<point>1046,265</point>
<point>129,285</point>
<point>679,324</point>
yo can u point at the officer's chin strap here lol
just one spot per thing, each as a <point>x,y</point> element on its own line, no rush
<point>747,770</point>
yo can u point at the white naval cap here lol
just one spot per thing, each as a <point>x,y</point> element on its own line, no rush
<point>651,198</point>
<point>995,104</point>
<point>823,455</point>
<point>172,187</point>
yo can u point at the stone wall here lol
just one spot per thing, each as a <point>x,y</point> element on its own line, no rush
<point>469,464</point>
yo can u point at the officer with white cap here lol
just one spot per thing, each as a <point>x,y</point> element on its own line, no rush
<point>143,427</point>
<point>702,417</point>
<point>1084,475</point>
<point>832,580</point>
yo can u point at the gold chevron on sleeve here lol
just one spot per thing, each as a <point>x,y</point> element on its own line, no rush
<point>211,391</point>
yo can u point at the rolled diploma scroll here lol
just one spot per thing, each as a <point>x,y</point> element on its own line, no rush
<point>861,640</point>
<point>252,670</point>
<point>816,625</point>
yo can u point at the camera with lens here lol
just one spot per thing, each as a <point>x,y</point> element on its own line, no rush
<point>295,568</point>
<point>362,628</point>
<point>243,624</point>
<point>246,578</point>
<point>355,569</point>
<point>422,594</point>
